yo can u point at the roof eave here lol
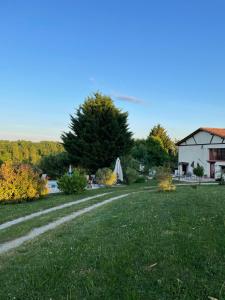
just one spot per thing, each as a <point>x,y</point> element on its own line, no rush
<point>188,137</point>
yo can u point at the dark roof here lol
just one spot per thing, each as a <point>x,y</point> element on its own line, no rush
<point>214,131</point>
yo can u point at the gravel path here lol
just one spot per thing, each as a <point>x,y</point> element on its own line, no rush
<point>46,211</point>
<point>40,230</point>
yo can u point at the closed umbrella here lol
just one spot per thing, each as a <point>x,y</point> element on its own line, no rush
<point>70,170</point>
<point>118,170</point>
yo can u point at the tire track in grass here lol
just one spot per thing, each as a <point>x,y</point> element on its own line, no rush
<point>48,210</point>
<point>21,229</point>
<point>50,226</point>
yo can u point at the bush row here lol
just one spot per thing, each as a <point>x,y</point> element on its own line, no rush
<point>20,182</point>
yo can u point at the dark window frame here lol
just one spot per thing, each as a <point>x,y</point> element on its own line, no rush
<point>217,154</point>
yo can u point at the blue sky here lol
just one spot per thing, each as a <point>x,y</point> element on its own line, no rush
<point>162,61</point>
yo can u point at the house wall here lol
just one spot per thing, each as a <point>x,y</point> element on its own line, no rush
<point>196,149</point>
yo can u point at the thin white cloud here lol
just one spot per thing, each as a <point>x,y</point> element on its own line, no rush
<point>128,98</point>
<point>116,95</point>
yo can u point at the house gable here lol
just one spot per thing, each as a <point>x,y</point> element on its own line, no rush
<point>204,136</point>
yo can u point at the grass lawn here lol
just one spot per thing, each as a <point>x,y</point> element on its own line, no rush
<point>11,211</point>
<point>23,228</point>
<point>149,245</point>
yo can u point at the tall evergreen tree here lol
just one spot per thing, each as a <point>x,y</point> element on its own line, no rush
<point>98,134</point>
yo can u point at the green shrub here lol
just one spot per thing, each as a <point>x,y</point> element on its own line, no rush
<point>20,182</point>
<point>130,168</point>
<point>165,181</point>
<point>140,179</point>
<point>199,172</point>
<point>131,175</point>
<point>72,184</point>
<point>105,176</point>
<point>129,162</point>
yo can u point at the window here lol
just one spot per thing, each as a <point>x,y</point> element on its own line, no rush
<point>217,154</point>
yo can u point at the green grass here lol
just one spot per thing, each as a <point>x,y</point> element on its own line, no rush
<point>23,228</point>
<point>148,246</point>
<point>11,211</point>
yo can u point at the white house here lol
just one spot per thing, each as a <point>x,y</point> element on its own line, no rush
<point>206,147</point>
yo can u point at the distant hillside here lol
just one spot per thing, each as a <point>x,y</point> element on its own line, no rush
<point>26,151</point>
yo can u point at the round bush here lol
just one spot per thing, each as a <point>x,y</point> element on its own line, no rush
<point>131,175</point>
<point>72,184</point>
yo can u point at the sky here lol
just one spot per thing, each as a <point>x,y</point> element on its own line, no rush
<point>162,61</point>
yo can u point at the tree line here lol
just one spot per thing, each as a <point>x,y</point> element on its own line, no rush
<point>27,151</point>
<point>98,134</point>
<point>158,149</point>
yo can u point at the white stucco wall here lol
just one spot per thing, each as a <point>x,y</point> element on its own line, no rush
<point>52,187</point>
<point>189,151</point>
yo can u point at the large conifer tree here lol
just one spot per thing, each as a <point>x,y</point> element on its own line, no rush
<point>98,134</point>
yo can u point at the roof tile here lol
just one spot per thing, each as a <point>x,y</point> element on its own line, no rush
<point>216,131</point>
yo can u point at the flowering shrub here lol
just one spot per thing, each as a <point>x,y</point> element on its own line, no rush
<point>106,176</point>
<point>165,181</point>
<point>72,184</point>
<point>20,182</point>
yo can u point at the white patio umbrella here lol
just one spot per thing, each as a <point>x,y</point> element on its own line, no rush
<point>118,170</point>
<point>70,170</point>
